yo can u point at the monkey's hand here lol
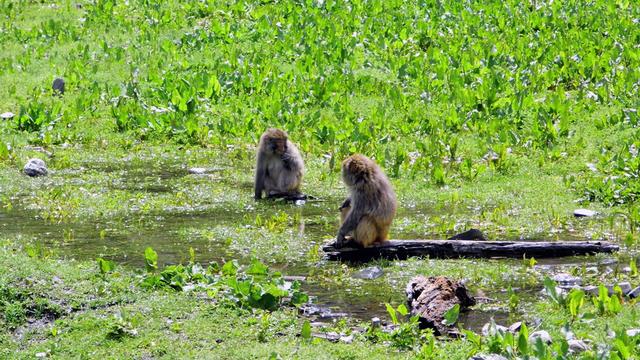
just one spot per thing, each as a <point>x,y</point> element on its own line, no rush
<point>345,204</point>
<point>286,161</point>
<point>341,241</point>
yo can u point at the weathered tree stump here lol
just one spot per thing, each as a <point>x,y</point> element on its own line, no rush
<point>430,298</point>
<point>402,249</point>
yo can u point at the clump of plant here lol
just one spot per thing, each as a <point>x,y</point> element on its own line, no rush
<point>16,305</point>
<point>36,116</point>
<point>615,176</point>
<point>253,286</point>
<point>405,334</point>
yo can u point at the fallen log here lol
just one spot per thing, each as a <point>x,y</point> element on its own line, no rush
<point>402,249</point>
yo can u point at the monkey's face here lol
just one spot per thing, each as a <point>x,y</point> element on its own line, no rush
<point>278,146</point>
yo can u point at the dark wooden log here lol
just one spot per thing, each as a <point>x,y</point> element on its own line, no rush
<point>402,249</point>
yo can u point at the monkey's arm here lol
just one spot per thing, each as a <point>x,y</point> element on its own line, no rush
<point>260,173</point>
<point>291,159</point>
<point>349,225</point>
<point>292,163</point>
<point>345,204</point>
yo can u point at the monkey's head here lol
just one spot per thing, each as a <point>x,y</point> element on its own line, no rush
<point>357,170</point>
<point>274,141</point>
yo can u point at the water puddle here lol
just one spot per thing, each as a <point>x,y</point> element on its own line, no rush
<point>212,230</point>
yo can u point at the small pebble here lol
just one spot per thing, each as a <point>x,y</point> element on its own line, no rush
<point>633,332</point>
<point>197,171</point>
<point>7,115</point>
<point>375,322</point>
<point>634,293</point>
<point>488,330</point>
<point>35,167</point>
<point>584,213</point>
<point>369,273</point>
<point>347,339</point>
<point>625,286</point>
<point>488,357</point>
<point>542,335</point>
<point>567,279</point>
<point>577,346</point>
<point>515,327</point>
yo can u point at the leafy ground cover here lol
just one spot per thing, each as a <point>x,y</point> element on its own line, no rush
<point>504,116</point>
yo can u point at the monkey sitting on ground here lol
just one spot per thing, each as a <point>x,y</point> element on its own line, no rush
<point>369,210</point>
<point>279,167</point>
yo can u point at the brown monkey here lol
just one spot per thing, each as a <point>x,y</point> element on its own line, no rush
<point>280,167</point>
<point>369,210</point>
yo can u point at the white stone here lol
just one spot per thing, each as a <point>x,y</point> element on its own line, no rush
<point>633,332</point>
<point>7,115</point>
<point>577,346</point>
<point>584,213</point>
<point>542,335</point>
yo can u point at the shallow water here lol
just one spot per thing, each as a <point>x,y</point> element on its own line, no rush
<point>173,231</point>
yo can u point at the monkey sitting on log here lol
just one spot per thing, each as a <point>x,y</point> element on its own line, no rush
<point>367,213</point>
<point>279,167</point>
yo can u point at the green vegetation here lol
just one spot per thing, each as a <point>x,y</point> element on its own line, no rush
<point>500,115</point>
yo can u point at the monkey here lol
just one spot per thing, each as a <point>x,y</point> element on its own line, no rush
<point>279,166</point>
<point>371,206</point>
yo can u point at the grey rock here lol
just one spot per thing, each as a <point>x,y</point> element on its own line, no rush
<point>375,322</point>
<point>584,213</point>
<point>488,330</point>
<point>577,346</point>
<point>625,287</point>
<point>346,339</point>
<point>204,170</point>
<point>542,335</point>
<point>591,289</point>
<point>634,293</point>
<point>472,234</point>
<point>592,270</point>
<point>567,279</point>
<point>35,167</point>
<point>633,332</point>
<point>515,327</point>
<point>197,171</point>
<point>369,273</point>
<point>7,115</point>
<point>58,86</point>
<point>608,261</point>
<point>331,336</point>
<point>487,357</point>
<point>559,290</point>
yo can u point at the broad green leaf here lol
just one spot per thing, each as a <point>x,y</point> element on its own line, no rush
<point>451,316</point>
<point>305,333</point>
<point>151,259</point>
